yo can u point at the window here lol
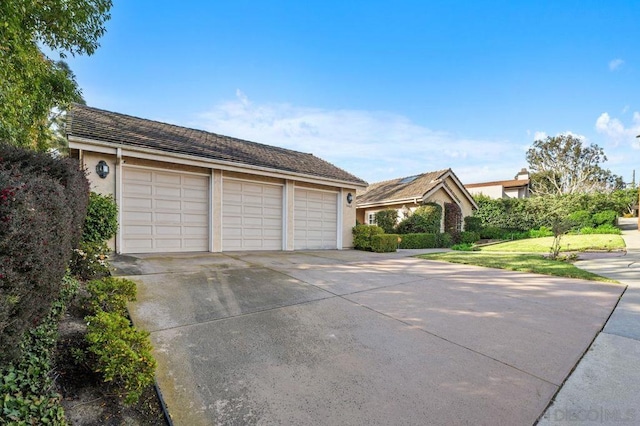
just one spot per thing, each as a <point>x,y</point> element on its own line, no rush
<point>409,179</point>
<point>371,219</point>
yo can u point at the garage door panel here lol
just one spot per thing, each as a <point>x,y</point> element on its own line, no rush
<point>139,189</point>
<point>315,219</point>
<point>164,211</point>
<point>251,216</point>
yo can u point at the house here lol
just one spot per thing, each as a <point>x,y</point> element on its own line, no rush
<point>408,193</point>
<point>514,188</point>
<point>182,190</point>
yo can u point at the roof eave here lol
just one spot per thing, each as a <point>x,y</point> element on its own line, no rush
<point>78,142</point>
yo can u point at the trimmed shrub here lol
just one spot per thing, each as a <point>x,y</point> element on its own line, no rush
<point>387,220</point>
<point>469,237</point>
<point>581,219</point>
<point>602,229</point>
<point>418,241</point>
<point>492,233</point>
<point>444,240</point>
<point>472,224</point>
<point>362,236</point>
<point>452,219</point>
<point>111,294</point>
<point>425,219</point>
<point>101,222</point>
<point>606,217</point>
<point>121,353</point>
<point>42,205</point>
<point>384,243</point>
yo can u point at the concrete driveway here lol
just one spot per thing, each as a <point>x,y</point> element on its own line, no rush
<point>348,337</point>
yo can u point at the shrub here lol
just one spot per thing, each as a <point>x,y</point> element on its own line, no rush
<point>452,218</point>
<point>26,385</point>
<point>111,294</point>
<point>425,219</point>
<point>581,218</point>
<point>464,247</point>
<point>492,233</point>
<point>472,224</point>
<point>444,240</point>
<point>41,212</point>
<point>121,353</point>
<point>602,229</point>
<point>418,241</point>
<point>90,260</point>
<point>387,220</point>
<point>469,237</point>
<point>606,217</point>
<point>362,236</point>
<point>101,222</point>
<point>384,243</point>
<point>542,232</point>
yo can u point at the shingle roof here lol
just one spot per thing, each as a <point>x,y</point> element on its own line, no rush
<point>106,126</point>
<point>395,189</point>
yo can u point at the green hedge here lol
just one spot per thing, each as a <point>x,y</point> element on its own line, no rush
<point>425,219</point>
<point>362,236</point>
<point>418,241</point>
<point>469,237</point>
<point>43,203</point>
<point>384,243</point>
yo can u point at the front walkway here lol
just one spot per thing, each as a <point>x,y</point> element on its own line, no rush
<point>605,386</point>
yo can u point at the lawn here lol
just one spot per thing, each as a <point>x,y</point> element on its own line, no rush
<point>568,243</point>
<point>533,263</point>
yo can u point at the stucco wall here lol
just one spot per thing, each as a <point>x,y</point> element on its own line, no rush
<point>465,204</point>
<point>348,217</point>
<point>491,191</point>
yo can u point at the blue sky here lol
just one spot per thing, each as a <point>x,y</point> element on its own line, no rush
<point>381,89</point>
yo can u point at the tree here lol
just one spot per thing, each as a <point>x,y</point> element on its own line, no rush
<point>562,165</point>
<point>387,220</point>
<point>31,84</point>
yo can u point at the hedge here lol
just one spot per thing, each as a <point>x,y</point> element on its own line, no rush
<point>425,219</point>
<point>418,241</point>
<point>384,243</point>
<point>362,236</point>
<point>43,203</point>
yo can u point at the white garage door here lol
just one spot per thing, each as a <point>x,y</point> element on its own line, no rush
<point>164,211</point>
<point>316,219</point>
<point>251,216</point>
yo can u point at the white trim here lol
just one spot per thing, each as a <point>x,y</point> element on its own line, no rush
<point>118,198</point>
<point>193,160</point>
<point>160,169</point>
<point>211,186</point>
<point>285,219</point>
<point>466,193</point>
<point>339,225</point>
<point>388,202</point>
<point>253,181</point>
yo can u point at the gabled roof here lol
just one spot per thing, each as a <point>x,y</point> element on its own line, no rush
<point>120,129</point>
<point>418,187</point>
<point>401,189</point>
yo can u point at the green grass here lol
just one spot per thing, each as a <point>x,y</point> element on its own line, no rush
<point>533,263</point>
<point>568,243</point>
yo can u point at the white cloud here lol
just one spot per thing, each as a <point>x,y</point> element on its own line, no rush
<point>615,64</point>
<point>538,136</point>
<point>617,132</point>
<point>374,145</point>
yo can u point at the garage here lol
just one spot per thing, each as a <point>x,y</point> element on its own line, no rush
<point>164,211</point>
<point>251,215</point>
<point>315,219</point>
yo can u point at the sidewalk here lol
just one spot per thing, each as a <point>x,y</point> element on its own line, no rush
<point>605,386</point>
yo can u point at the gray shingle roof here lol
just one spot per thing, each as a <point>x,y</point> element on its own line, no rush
<point>106,126</point>
<point>397,189</point>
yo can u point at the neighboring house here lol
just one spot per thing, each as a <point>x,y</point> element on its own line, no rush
<point>408,193</point>
<point>514,188</point>
<point>181,190</point>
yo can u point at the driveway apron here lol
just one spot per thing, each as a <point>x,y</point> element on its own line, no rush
<point>345,337</point>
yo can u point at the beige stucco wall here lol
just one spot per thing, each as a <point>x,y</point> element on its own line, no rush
<point>465,204</point>
<point>348,217</point>
<point>491,191</point>
<point>106,186</point>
